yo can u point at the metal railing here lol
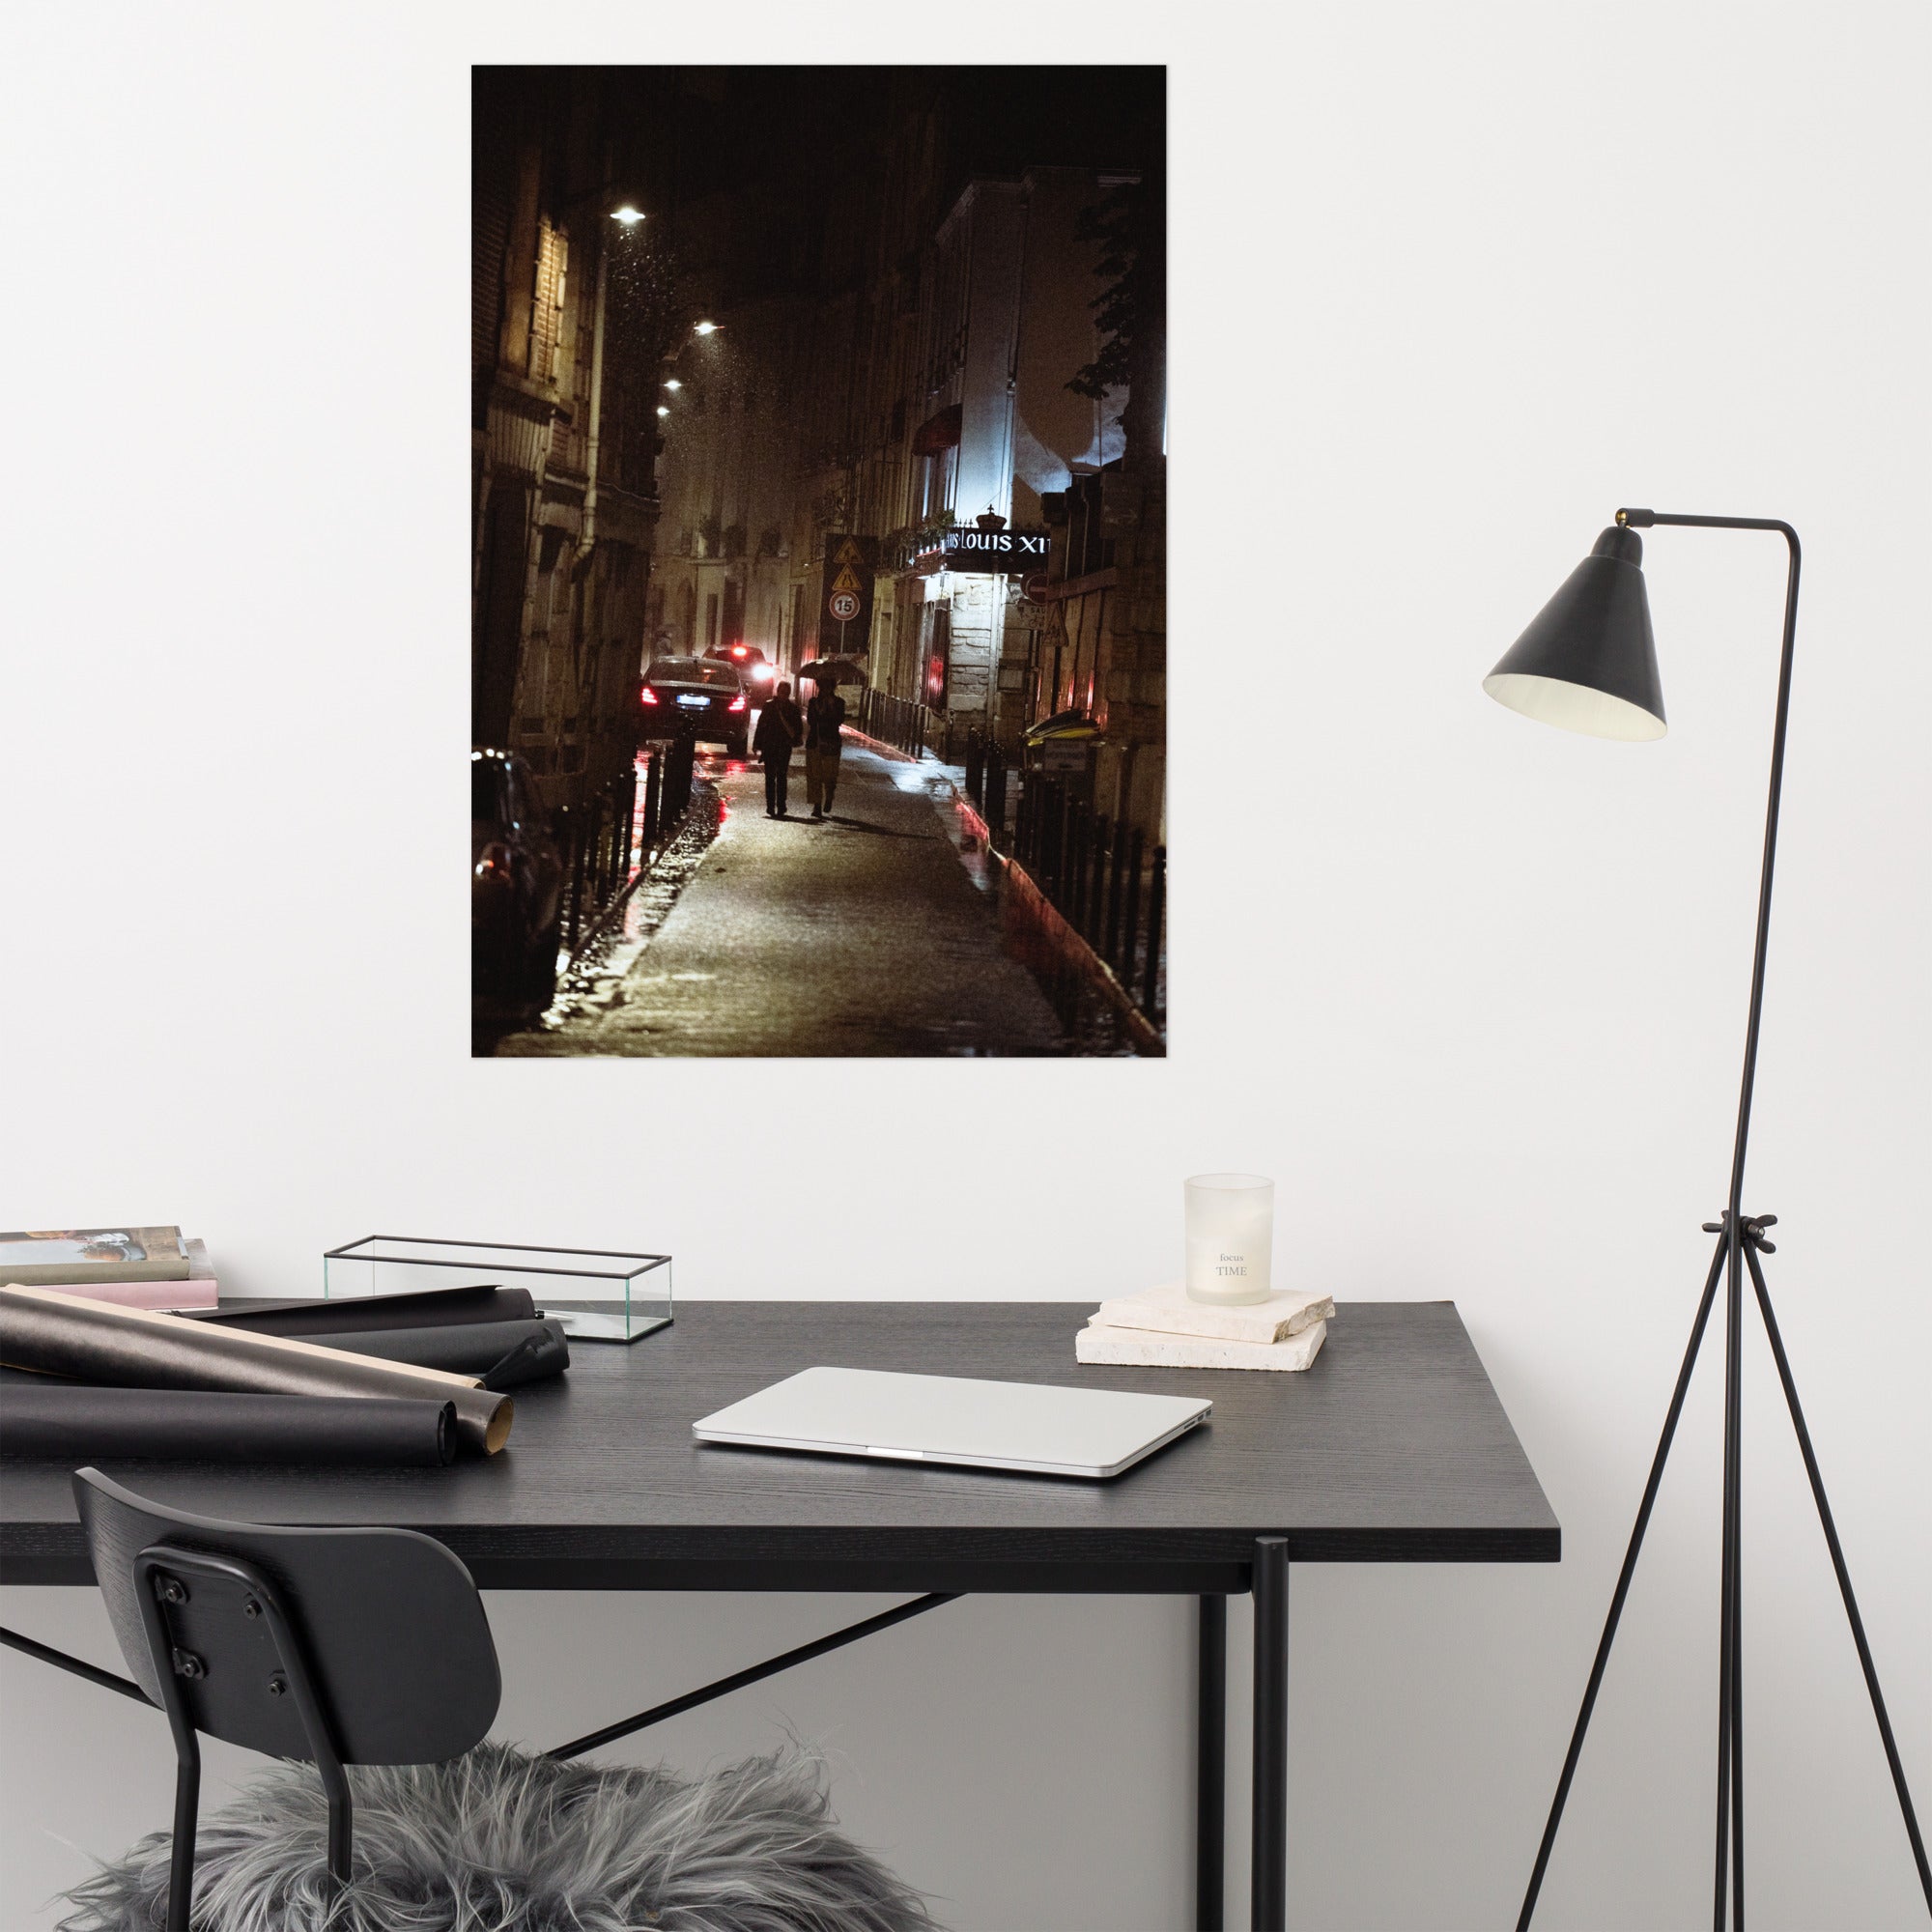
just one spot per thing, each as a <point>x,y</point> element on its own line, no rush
<point>906,725</point>
<point>1099,876</point>
<point>618,832</point>
<point>985,763</point>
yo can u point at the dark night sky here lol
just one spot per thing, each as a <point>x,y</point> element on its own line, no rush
<point>760,119</point>
<point>786,138</point>
<point>794,154</point>
<point>733,126</point>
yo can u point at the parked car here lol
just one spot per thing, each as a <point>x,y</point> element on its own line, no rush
<point>697,697</point>
<point>516,884</point>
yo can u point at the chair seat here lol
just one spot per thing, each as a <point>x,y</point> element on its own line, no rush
<point>498,1841</point>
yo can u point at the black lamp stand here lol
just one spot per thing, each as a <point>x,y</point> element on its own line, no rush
<point>1741,1240</point>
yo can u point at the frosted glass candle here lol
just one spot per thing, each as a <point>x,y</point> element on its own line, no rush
<point>1230,1237</point>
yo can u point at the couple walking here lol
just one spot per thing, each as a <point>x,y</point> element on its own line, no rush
<point>780,728</point>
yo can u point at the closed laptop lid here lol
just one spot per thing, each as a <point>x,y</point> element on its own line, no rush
<point>1058,1431</point>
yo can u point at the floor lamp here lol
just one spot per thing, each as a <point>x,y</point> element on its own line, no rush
<point>1588,662</point>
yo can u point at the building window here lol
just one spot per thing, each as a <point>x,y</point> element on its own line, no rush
<point>547,302</point>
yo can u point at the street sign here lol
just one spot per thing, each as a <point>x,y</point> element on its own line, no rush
<point>845,593</point>
<point>1121,498</point>
<point>1007,553</point>
<point>1034,586</point>
<point>1069,757</point>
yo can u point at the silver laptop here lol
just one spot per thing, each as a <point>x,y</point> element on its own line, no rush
<point>1040,1431</point>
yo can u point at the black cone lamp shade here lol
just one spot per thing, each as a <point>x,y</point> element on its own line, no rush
<point>1588,661</point>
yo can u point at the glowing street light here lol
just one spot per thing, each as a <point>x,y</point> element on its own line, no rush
<point>662,411</point>
<point>671,382</point>
<point>706,329</point>
<point>630,216</point>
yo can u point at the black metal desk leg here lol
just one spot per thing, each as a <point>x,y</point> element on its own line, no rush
<point>1211,1766</point>
<point>1269,1892</point>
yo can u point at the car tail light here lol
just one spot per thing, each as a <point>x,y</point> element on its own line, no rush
<point>496,863</point>
<point>737,650</point>
<point>650,695</point>
<point>761,673</point>
<point>737,703</point>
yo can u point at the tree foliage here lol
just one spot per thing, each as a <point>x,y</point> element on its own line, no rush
<point>1128,224</point>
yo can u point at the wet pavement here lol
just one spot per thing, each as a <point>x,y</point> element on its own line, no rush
<point>871,934</point>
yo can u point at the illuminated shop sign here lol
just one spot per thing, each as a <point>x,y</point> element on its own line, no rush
<point>1009,553</point>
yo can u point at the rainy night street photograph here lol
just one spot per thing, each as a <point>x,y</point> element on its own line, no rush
<point>818,567</point>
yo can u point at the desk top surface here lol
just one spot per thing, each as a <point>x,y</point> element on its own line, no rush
<point>1392,1446</point>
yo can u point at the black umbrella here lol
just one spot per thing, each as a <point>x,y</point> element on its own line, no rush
<point>832,670</point>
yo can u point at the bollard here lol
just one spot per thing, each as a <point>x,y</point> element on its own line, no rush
<point>1096,881</point>
<point>1156,898</point>
<point>575,861</point>
<point>1131,936</point>
<point>1110,936</point>
<point>1076,882</point>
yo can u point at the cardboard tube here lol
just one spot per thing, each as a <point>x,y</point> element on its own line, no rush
<point>138,1348</point>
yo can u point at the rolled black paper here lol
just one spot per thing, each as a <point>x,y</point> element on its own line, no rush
<point>72,1424</point>
<point>138,1348</point>
<point>524,1363</point>
<point>363,1313</point>
<point>466,1347</point>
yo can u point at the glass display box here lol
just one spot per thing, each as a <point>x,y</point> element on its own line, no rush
<point>598,1296</point>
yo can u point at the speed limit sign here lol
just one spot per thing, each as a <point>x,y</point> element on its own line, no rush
<point>843,606</point>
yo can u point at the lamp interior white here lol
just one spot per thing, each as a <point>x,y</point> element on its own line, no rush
<point>1573,707</point>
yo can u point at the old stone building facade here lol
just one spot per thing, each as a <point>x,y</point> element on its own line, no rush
<point>563,432</point>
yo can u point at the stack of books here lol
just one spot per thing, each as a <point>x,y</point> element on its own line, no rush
<point>1162,1328</point>
<point>131,1267</point>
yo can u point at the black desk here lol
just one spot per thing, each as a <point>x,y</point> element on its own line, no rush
<point>1392,1448</point>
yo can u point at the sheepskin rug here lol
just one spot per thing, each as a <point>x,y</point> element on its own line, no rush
<point>496,1841</point>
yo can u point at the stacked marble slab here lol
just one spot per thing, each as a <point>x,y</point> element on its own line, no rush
<point>1162,1328</point>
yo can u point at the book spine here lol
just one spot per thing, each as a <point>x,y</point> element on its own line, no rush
<point>200,1292</point>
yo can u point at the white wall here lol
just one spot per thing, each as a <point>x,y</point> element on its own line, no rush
<point>1449,285</point>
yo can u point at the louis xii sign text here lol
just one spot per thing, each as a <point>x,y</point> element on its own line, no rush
<point>1009,553</point>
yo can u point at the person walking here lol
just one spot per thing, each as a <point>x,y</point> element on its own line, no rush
<point>780,729</point>
<point>823,717</point>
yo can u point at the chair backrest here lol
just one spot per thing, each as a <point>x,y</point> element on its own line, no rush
<point>391,1633</point>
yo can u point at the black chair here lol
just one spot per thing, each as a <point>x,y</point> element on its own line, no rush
<point>329,1646</point>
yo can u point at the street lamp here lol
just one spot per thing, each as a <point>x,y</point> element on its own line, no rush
<point>626,216</point>
<point>706,329</point>
<point>671,382</point>
<point>663,410</point>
